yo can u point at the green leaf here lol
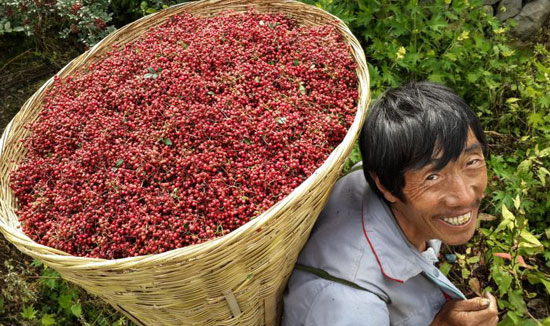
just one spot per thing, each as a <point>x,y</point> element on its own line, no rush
<point>545,152</point>
<point>465,273</point>
<point>295,62</point>
<point>503,279</point>
<point>517,201</point>
<point>538,277</point>
<point>76,309</point>
<point>530,240</point>
<point>544,101</point>
<point>118,163</point>
<point>473,259</point>
<point>36,263</point>
<point>1,306</point>
<point>507,219</point>
<point>436,78</point>
<point>29,313</point>
<point>210,93</point>
<point>151,70</point>
<point>247,141</point>
<point>546,282</point>
<point>184,45</point>
<point>302,89</point>
<point>280,120</point>
<point>472,77</point>
<point>515,297</point>
<point>514,316</point>
<point>48,320</point>
<point>542,173</point>
<point>167,141</point>
<point>148,76</point>
<point>535,119</point>
<point>445,268</point>
<point>506,214</point>
<point>65,301</point>
<point>120,322</point>
<point>525,166</point>
<point>50,278</point>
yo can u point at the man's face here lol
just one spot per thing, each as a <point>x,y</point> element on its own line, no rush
<point>443,204</point>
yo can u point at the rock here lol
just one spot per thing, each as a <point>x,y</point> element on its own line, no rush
<point>489,9</point>
<point>490,2</point>
<point>531,18</point>
<point>508,9</point>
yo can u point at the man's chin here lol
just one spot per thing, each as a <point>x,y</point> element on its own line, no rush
<point>458,239</point>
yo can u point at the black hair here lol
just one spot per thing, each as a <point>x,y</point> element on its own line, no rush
<point>408,126</point>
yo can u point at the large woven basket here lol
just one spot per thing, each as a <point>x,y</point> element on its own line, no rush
<point>237,279</point>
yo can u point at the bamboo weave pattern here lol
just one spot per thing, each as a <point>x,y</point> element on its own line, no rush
<point>237,279</point>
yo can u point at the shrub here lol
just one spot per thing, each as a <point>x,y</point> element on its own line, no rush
<point>85,20</point>
<point>455,42</point>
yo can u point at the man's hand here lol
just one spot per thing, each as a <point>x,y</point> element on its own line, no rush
<point>473,312</point>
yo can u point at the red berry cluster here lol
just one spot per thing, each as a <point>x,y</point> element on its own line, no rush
<point>184,135</point>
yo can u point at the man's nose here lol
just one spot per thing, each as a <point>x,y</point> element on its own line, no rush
<point>461,192</point>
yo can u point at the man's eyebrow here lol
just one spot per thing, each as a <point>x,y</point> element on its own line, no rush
<point>472,148</point>
<point>433,162</point>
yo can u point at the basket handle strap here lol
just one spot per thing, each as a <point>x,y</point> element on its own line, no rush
<point>270,310</point>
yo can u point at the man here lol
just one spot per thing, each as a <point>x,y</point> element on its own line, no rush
<point>370,258</point>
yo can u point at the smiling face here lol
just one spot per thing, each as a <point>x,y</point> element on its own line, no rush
<point>442,204</point>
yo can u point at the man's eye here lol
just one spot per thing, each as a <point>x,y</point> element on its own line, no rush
<point>431,177</point>
<point>473,162</point>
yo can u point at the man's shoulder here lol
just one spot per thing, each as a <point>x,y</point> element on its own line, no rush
<point>319,301</point>
<point>338,244</point>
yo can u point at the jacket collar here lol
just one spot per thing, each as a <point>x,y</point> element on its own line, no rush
<point>396,256</point>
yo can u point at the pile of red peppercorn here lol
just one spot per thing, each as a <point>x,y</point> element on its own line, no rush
<point>184,135</point>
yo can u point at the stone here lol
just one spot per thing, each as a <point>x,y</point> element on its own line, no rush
<point>489,10</point>
<point>531,18</point>
<point>508,9</point>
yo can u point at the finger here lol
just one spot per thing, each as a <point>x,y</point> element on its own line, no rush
<point>475,304</point>
<point>493,305</point>
<point>490,322</point>
<point>478,318</point>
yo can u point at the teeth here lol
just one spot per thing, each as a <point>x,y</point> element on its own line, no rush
<point>458,220</point>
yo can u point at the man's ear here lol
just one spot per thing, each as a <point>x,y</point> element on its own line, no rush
<point>387,194</point>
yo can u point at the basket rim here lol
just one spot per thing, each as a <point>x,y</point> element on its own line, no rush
<point>27,245</point>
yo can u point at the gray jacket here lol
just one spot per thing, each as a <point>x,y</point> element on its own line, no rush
<point>357,239</point>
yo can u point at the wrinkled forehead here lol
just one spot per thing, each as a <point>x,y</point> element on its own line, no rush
<point>441,156</point>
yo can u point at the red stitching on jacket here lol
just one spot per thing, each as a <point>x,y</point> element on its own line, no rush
<point>371,247</point>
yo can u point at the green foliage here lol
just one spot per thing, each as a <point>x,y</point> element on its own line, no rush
<point>353,158</point>
<point>28,313</point>
<point>126,11</point>
<point>85,20</point>
<point>512,255</point>
<point>59,303</point>
<point>455,42</point>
